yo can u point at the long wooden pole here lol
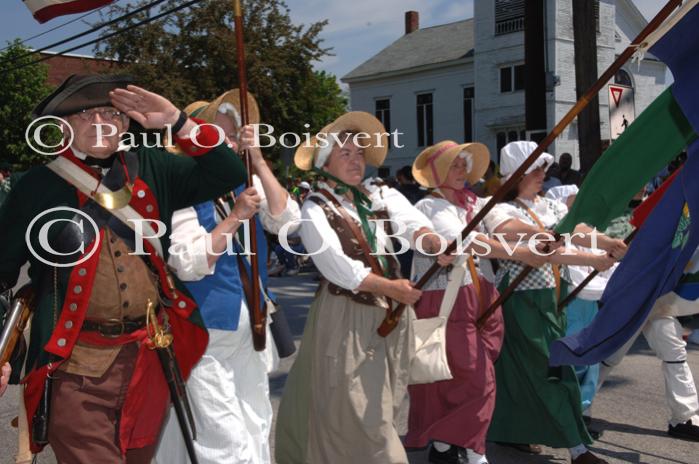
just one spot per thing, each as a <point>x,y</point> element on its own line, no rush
<point>258,313</point>
<point>392,319</point>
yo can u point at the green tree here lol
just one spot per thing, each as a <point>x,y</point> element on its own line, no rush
<point>191,55</point>
<point>20,91</point>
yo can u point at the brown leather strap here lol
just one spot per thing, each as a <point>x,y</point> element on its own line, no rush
<point>242,270</point>
<point>114,327</point>
<point>356,231</point>
<point>477,284</point>
<point>556,268</point>
<point>471,266</point>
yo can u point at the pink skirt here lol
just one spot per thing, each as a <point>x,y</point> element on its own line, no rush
<point>458,411</point>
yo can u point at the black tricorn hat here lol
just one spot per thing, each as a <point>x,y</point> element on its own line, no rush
<point>81,92</point>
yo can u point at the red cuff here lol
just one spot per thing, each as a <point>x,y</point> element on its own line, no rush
<point>202,141</point>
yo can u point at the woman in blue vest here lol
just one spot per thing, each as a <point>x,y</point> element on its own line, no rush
<point>229,388</point>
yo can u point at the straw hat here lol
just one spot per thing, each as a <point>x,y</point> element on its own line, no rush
<point>432,164</point>
<point>207,111</point>
<point>514,154</point>
<point>354,121</point>
<point>193,109</point>
<point>208,114</point>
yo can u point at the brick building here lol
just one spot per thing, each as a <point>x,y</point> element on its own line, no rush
<point>60,67</point>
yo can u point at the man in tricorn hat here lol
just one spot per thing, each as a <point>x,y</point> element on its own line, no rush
<point>106,307</point>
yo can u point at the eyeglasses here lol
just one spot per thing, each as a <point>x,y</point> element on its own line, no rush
<point>106,114</point>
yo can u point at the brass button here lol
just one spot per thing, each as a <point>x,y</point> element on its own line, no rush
<point>61,342</point>
<point>73,307</point>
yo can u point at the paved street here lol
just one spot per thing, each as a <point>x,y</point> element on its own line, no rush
<point>630,409</point>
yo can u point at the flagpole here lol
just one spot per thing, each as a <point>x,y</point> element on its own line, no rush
<point>258,319</point>
<point>391,320</point>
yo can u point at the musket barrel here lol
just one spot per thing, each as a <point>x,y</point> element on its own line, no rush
<point>11,330</point>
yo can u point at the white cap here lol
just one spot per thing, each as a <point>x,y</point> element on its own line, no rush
<point>514,154</point>
<point>562,192</point>
<point>305,185</point>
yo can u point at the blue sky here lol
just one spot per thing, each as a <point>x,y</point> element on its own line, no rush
<point>357,29</point>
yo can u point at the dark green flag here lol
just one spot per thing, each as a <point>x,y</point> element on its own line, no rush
<point>654,139</point>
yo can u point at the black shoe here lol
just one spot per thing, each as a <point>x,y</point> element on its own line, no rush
<point>595,433</point>
<point>588,458</point>
<point>450,456</point>
<point>686,431</point>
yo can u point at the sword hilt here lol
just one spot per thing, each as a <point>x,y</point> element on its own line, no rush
<point>159,337</point>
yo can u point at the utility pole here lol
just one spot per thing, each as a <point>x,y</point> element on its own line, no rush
<point>535,67</point>
<point>585,42</point>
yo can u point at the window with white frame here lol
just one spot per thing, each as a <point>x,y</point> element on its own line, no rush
<point>511,78</point>
<point>425,121</point>
<point>507,135</point>
<point>382,111</point>
<point>469,95</point>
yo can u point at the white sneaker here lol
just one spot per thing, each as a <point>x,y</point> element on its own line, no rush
<point>475,458</point>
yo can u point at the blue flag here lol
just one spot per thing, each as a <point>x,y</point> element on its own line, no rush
<point>656,259</point>
<point>678,50</point>
<point>652,267</point>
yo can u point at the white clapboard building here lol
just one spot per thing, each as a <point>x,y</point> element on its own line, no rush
<point>465,80</point>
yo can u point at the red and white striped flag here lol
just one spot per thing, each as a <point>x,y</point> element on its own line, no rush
<point>44,10</point>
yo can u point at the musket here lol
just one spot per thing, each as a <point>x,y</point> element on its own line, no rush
<point>18,311</point>
<point>392,319</point>
<point>258,311</point>
<point>161,342</point>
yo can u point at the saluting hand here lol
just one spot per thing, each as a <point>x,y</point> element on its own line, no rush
<point>149,109</point>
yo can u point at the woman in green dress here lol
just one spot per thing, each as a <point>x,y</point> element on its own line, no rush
<point>535,404</point>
